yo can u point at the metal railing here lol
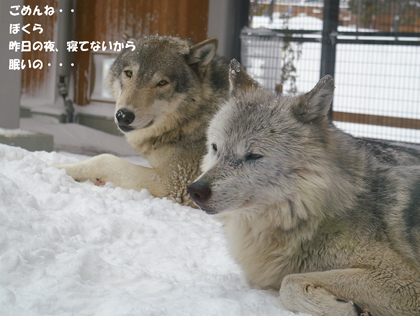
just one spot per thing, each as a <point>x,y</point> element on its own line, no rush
<point>387,107</point>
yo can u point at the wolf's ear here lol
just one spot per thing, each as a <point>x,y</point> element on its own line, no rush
<point>126,37</point>
<point>239,79</point>
<point>316,103</point>
<point>201,54</point>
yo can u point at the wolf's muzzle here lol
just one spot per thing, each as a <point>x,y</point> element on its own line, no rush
<point>200,193</point>
<point>124,118</point>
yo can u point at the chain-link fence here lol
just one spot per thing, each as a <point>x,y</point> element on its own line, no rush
<point>372,48</point>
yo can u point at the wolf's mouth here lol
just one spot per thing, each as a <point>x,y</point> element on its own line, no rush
<point>210,212</point>
<point>245,205</point>
<point>125,129</point>
<point>149,124</point>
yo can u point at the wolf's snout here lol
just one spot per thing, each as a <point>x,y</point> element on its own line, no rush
<point>125,117</point>
<point>199,192</point>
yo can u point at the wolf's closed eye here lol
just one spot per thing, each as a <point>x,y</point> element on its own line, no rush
<point>252,157</point>
<point>214,146</point>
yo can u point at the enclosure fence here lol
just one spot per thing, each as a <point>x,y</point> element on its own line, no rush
<point>371,48</point>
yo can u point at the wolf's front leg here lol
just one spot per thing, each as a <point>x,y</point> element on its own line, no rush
<point>339,292</point>
<point>104,168</point>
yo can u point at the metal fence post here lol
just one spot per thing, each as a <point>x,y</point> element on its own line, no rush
<point>10,87</point>
<point>329,35</point>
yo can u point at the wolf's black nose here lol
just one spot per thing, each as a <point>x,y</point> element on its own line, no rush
<point>199,192</point>
<point>125,117</point>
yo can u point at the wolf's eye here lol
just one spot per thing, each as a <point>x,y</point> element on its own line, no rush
<point>214,146</point>
<point>162,83</point>
<point>128,73</point>
<point>253,157</point>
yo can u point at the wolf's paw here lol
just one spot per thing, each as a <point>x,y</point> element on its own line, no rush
<point>71,170</point>
<point>360,311</point>
<point>99,182</point>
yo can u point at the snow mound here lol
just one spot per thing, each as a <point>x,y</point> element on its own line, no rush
<point>69,248</point>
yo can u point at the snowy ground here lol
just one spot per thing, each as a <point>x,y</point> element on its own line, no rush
<point>69,248</point>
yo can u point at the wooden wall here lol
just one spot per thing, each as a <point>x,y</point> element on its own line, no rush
<point>33,79</point>
<point>105,20</point>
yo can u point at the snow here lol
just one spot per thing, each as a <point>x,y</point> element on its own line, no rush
<point>70,248</point>
<point>295,23</point>
<point>13,132</point>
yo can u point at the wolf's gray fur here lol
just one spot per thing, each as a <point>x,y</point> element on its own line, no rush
<point>310,210</point>
<point>167,90</point>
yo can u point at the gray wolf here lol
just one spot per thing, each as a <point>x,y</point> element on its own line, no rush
<point>309,210</point>
<point>166,92</point>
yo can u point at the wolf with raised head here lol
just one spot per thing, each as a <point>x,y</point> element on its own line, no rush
<point>166,91</point>
<point>308,209</point>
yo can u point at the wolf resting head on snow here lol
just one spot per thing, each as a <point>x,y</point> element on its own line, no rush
<point>260,147</point>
